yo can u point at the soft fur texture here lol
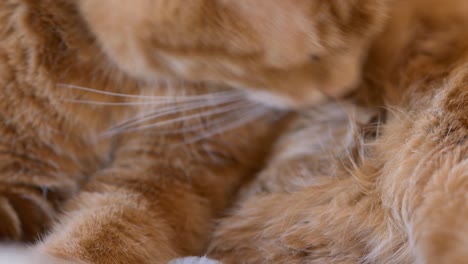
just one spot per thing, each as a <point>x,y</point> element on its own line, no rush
<point>399,198</point>
<point>120,137</point>
<point>344,183</point>
<point>295,51</point>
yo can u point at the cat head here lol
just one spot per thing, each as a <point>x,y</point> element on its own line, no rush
<point>283,53</point>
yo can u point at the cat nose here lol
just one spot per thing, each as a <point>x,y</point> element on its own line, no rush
<point>311,97</point>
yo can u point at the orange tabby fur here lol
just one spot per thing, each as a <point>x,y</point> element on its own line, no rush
<point>139,196</point>
<point>296,51</point>
<point>401,198</point>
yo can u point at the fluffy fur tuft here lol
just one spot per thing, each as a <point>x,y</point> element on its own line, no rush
<point>402,195</point>
<point>125,129</point>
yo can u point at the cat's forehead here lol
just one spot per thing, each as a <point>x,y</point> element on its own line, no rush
<point>323,23</point>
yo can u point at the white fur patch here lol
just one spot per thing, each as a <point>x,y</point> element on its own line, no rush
<point>14,254</point>
<point>194,260</point>
<point>270,99</point>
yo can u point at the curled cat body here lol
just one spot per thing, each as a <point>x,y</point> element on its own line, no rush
<point>396,195</point>
<point>127,128</point>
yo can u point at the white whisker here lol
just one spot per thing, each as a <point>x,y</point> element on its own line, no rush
<point>211,112</point>
<point>165,98</point>
<point>252,116</point>
<point>216,122</point>
<point>173,109</point>
<point>88,102</point>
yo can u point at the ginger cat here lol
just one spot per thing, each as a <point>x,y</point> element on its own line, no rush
<point>333,193</point>
<point>128,126</point>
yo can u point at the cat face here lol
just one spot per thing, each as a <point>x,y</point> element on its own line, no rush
<point>284,53</point>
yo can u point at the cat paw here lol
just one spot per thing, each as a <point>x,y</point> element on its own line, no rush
<point>193,260</point>
<point>24,213</point>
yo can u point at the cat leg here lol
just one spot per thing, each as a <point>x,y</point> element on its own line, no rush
<point>292,212</point>
<point>130,218</point>
<point>428,193</point>
<point>24,212</point>
<point>425,180</point>
<point>333,223</point>
<point>32,189</point>
<point>306,154</point>
<point>149,206</point>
